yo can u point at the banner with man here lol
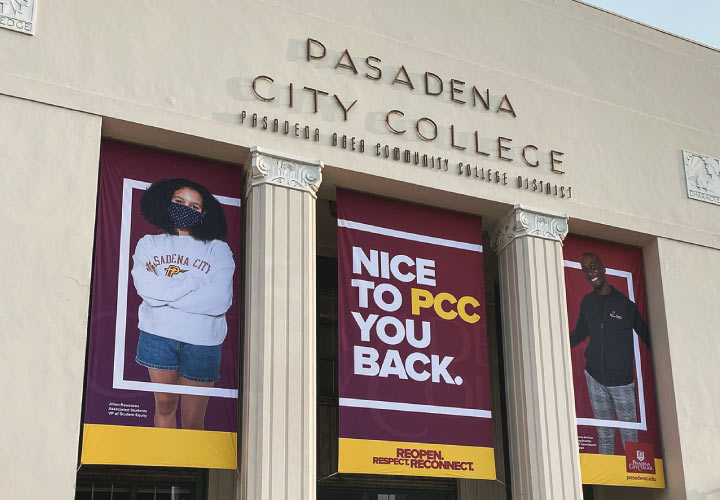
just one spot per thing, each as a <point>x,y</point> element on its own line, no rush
<point>611,346</point>
<point>414,391</point>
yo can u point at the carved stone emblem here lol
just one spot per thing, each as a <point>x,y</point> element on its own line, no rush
<point>525,221</point>
<point>702,177</point>
<point>268,167</point>
<point>18,15</point>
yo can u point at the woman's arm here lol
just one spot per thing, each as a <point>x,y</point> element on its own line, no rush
<point>154,288</point>
<point>213,296</point>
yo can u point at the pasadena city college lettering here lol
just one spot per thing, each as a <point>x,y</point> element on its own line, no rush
<point>482,156</point>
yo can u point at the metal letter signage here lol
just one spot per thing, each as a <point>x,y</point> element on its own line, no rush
<point>702,175</point>
<point>18,15</point>
<point>412,349</point>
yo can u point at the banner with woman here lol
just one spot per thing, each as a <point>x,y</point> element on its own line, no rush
<point>162,377</point>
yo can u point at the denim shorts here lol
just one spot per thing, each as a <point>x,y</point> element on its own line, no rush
<point>200,363</point>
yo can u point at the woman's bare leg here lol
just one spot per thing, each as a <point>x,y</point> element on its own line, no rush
<point>165,402</point>
<point>193,407</point>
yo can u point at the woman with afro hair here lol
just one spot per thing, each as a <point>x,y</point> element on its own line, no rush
<point>184,277</point>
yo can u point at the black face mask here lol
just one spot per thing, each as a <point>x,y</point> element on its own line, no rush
<point>183,217</point>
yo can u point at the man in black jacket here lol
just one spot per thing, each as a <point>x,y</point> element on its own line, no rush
<point>608,317</point>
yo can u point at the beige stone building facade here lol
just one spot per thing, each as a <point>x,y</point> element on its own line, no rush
<point>545,114</point>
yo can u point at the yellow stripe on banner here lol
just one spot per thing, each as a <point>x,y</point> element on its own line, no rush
<point>612,470</point>
<point>415,459</point>
<point>122,445</point>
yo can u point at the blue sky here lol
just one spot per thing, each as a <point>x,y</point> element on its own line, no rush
<point>697,20</point>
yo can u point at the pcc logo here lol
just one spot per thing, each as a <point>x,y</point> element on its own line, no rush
<point>171,271</point>
<point>639,458</point>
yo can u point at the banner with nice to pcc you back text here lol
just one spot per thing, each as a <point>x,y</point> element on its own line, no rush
<point>414,391</point>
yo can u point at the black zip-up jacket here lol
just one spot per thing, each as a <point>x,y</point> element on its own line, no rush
<point>610,352</point>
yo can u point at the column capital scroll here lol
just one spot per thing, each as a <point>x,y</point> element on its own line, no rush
<point>527,221</point>
<point>270,167</point>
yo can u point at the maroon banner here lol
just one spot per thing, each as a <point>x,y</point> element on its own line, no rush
<point>618,433</point>
<point>167,261</point>
<point>413,362</point>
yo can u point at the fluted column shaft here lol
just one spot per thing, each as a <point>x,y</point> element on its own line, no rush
<point>540,399</point>
<point>278,401</point>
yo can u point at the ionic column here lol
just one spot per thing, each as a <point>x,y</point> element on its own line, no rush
<point>277,455</point>
<point>540,399</point>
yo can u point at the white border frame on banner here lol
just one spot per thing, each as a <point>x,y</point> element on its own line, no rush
<point>119,381</point>
<point>596,422</point>
<point>411,407</point>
